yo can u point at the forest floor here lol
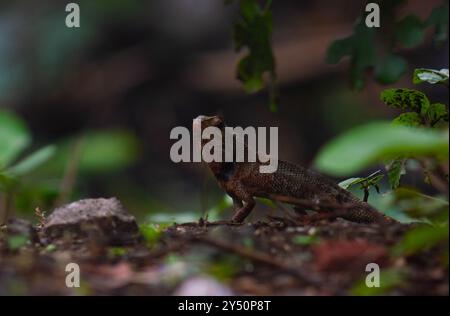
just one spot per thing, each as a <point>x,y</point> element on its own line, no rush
<point>276,256</point>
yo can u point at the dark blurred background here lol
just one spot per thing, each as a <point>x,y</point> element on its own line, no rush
<point>136,69</point>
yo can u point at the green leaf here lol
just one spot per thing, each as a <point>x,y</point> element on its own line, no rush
<point>437,112</point>
<point>439,18</point>
<point>431,76</point>
<point>363,55</point>
<point>108,150</point>
<point>421,238</point>
<point>410,31</point>
<point>16,242</point>
<point>368,181</point>
<point>390,69</point>
<point>14,138</point>
<point>408,119</point>
<point>366,145</point>
<point>405,99</point>
<point>116,252</point>
<point>51,248</point>
<point>396,169</point>
<point>347,184</point>
<point>32,161</point>
<point>339,49</point>
<point>360,47</point>
<point>151,233</point>
<point>7,181</point>
<point>253,30</point>
<point>99,152</point>
<point>305,240</point>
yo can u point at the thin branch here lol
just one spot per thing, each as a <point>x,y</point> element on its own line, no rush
<point>437,179</point>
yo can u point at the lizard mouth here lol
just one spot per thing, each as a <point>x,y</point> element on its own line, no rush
<point>207,121</point>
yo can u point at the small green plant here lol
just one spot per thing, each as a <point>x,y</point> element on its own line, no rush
<point>51,248</point>
<point>152,233</point>
<point>417,137</point>
<point>116,252</point>
<point>306,240</point>
<point>15,138</point>
<point>365,183</point>
<point>419,113</point>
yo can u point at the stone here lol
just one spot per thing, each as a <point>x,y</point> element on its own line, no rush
<point>100,220</point>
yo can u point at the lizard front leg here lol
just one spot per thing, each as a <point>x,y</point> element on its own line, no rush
<point>243,200</point>
<point>237,202</point>
<point>245,210</point>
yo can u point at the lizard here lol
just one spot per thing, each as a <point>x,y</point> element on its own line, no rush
<point>290,183</point>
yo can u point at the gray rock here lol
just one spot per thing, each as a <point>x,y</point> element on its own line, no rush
<point>101,220</point>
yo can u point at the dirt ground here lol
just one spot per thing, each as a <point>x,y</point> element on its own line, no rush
<point>276,256</point>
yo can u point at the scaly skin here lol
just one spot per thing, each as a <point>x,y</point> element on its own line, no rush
<point>290,183</point>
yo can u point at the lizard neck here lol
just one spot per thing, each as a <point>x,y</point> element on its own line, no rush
<point>223,171</point>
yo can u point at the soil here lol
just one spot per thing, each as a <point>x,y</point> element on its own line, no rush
<point>276,256</point>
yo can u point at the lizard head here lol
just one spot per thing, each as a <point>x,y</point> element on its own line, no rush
<point>209,121</point>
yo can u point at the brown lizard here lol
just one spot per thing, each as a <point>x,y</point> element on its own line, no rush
<point>290,183</point>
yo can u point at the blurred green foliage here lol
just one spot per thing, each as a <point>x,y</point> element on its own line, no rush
<point>419,135</point>
<point>305,240</point>
<point>51,248</point>
<point>152,232</point>
<point>422,206</point>
<point>116,252</point>
<point>16,242</point>
<point>226,268</point>
<point>389,279</point>
<point>421,238</point>
<point>373,48</point>
<point>14,138</point>
<point>366,145</point>
<point>38,179</point>
<point>99,151</point>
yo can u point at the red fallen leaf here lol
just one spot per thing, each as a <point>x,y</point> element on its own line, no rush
<point>348,255</point>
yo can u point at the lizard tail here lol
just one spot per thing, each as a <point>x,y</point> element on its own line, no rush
<point>365,213</point>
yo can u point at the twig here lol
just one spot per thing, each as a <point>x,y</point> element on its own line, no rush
<point>206,223</point>
<point>7,202</point>
<point>41,216</point>
<point>71,171</point>
<point>437,179</point>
